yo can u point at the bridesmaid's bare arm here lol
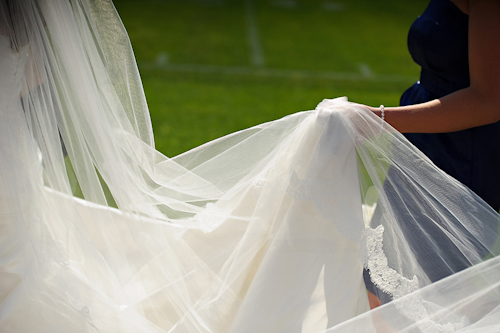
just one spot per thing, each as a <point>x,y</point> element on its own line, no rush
<point>477,105</point>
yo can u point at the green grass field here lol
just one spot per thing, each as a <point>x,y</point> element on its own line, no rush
<point>212,67</point>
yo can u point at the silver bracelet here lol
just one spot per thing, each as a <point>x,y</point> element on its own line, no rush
<point>382,112</point>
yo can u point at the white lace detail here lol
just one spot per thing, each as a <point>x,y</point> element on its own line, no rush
<point>328,197</point>
<point>84,311</point>
<point>21,59</point>
<point>394,284</point>
<point>209,218</point>
<point>320,191</point>
<point>302,189</point>
<point>384,277</point>
<point>257,186</point>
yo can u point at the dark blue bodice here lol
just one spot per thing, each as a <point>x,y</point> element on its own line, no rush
<point>438,42</point>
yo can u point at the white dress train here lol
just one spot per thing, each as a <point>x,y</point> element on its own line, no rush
<point>264,230</point>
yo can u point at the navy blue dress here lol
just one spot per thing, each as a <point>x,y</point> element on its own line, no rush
<point>438,42</point>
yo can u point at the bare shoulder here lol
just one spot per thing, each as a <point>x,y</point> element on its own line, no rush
<point>489,9</point>
<point>463,5</point>
<point>484,45</point>
<point>466,6</point>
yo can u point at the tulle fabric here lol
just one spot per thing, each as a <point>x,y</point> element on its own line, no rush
<point>264,230</point>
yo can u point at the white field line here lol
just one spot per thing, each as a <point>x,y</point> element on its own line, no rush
<point>278,73</point>
<point>365,69</point>
<point>257,55</point>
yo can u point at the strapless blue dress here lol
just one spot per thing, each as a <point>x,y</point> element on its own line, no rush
<point>438,42</point>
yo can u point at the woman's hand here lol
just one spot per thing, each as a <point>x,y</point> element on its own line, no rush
<point>477,105</point>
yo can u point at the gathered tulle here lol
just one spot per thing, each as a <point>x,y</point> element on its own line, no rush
<point>265,230</point>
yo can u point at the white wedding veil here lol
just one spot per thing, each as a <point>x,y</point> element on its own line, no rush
<point>265,230</point>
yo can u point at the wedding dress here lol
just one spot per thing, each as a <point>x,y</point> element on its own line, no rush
<point>264,230</point>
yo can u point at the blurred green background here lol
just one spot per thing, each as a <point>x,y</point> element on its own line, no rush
<point>212,67</point>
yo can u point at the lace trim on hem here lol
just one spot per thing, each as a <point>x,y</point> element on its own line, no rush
<point>395,285</point>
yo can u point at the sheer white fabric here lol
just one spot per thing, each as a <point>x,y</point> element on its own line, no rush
<point>264,230</point>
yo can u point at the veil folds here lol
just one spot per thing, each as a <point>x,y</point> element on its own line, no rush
<point>266,229</point>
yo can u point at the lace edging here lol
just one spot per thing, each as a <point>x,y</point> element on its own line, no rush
<point>394,284</point>
<point>384,277</point>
